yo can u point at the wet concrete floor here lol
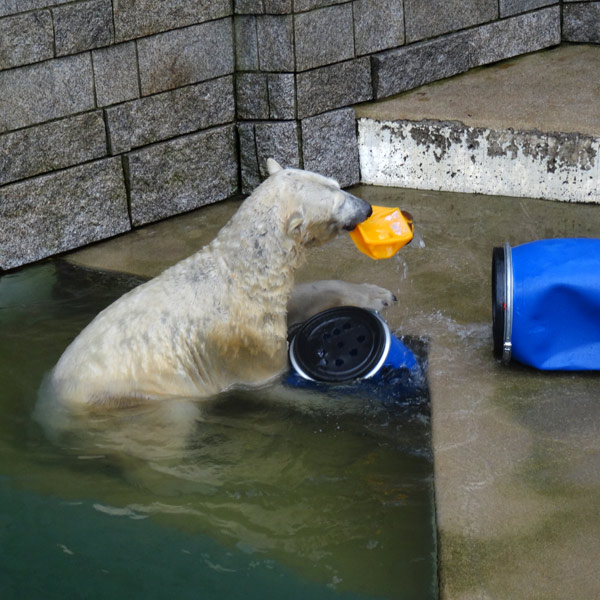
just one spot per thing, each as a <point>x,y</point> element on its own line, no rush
<point>517,457</point>
<point>516,451</point>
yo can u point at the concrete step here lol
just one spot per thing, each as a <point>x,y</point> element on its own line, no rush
<point>526,127</point>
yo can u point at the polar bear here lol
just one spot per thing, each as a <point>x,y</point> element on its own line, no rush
<point>219,318</point>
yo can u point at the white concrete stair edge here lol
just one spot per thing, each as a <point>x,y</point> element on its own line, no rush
<point>451,156</point>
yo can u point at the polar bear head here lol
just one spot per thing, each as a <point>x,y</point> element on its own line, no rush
<point>315,207</point>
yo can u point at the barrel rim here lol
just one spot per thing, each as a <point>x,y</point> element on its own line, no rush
<point>502,302</point>
<point>302,352</point>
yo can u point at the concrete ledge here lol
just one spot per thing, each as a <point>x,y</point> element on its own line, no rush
<point>453,157</point>
<point>513,129</point>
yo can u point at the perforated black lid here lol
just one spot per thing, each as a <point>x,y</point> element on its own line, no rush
<point>339,344</point>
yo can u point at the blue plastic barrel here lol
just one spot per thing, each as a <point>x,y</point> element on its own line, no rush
<point>546,304</point>
<point>346,344</point>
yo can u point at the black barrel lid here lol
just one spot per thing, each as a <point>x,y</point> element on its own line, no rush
<point>339,344</point>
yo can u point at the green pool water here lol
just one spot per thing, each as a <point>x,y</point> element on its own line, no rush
<point>259,498</point>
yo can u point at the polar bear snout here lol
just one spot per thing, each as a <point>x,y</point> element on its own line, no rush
<point>357,210</point>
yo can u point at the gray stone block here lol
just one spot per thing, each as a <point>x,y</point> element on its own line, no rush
<point>170,114</point>
<point>252,96</point>
<point>334,86</point>
<point>45,91</point>
<point>581,22</point>
<point>250,177</point>
<point>57,212</point>
<point>12,7</point>
<point>278,7</point>
<point>517,35</point>
<point>183,56</point>
<point>323,36</point>
<point>263,7</point>
<point>278,140</point>
<point>83,26</point>
<point>282,95</point>
<point>434,17</point>
<point>246,43</point>
<point>514,7</point>
<point>378,25</point>
<point>304,5</point>
<point>26,39</point>
<point>406,68</point>
<point>56,145</point>
<point>139,18</point>
<point>183,174</point>
<point>260,141</point>
<point>249,7</point>
<point>115,74</point>
<point>275,43</point>
<point>330,146</point>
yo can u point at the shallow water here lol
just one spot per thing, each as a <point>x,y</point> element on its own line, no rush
<point>265,494</point>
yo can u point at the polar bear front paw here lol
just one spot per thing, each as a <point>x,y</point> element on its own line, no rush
<point>309,299</point>
<point>368,295</point>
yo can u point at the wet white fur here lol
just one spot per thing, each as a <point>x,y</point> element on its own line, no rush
<point>218,318</point>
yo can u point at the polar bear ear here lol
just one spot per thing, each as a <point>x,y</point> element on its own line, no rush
<point>295,222</point>
<point>273,166</point>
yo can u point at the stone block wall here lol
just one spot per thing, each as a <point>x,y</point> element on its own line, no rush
<point>302,64</point>
<point>117,113</point>
<point>113,114</point>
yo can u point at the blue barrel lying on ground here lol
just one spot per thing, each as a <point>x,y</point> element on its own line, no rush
<point>350,349</point>
<point>546,304</point>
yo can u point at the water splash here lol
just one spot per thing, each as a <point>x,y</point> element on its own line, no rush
<point>417,241</point>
